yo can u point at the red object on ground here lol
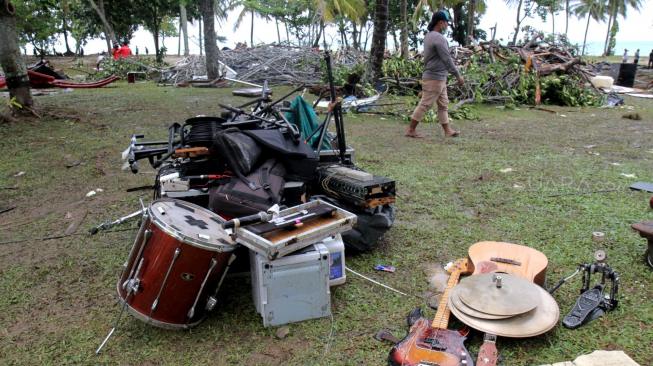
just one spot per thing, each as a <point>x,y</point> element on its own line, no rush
<point>95,84</point>
<point>3,82</point>
<point>38,80</point>
<point>649,202</point>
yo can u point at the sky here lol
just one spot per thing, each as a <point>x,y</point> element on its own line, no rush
<point>635,32</point>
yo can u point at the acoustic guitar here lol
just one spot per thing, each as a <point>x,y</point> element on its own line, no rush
<point>514,259</point>
<point>431,343</point>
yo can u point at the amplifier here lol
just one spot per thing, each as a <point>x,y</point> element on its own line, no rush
<point>355,186</point>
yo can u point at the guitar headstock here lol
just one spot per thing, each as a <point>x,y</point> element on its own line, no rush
<point>461,266</point>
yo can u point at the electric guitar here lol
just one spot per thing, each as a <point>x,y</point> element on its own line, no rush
<point>514,259</point>
<point>431,343</point>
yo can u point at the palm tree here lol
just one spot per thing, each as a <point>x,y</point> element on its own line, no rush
<point>614,9</point>
<point>207,9</point>
<point>378,40</point>
<point>10,59</point>
<point>592,9</point>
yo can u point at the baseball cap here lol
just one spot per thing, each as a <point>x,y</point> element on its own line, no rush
<point>442,15</point>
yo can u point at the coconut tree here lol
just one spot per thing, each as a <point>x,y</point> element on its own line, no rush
<point>11,61</point>
<point>592,9</point>
<point>378,40</point>
<point>615,8</point>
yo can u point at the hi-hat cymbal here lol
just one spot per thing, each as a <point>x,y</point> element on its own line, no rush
<point>454,301</point>
<point>498,294</point>
<point>537,321</point>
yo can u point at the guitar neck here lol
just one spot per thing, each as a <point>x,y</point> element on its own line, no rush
<point>441,319</point>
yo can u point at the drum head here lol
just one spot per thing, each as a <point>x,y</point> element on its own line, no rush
<point>191,224</point>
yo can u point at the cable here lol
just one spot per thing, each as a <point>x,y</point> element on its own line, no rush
<point>379,283</point>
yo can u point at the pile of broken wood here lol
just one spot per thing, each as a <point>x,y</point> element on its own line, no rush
<point>278,65</point>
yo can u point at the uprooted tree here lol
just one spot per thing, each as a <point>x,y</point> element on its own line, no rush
<point>11,61</point>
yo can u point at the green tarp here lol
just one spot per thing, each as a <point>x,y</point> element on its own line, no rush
<point>304,117</point>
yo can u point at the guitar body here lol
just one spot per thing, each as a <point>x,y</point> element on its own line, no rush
<point>431,343</point>
<point>425,345</point>
<point>514,259</point>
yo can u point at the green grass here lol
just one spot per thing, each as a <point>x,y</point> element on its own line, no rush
<point>58,296</point>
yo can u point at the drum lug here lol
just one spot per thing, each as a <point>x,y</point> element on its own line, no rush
<point>191,312</point>
<point>165,279</point>
<point>211,303</point>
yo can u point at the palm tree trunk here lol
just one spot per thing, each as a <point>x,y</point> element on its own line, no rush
<point>276,21</point>
<point>199,21</point>
<point>210,45</point>
<point>404,28</point>
<point>514,38</point>
<point>378,40</point>
<point>183,20</point>
<point>10,59</point>
<point>285,25</point>
<point>587,27</point>
<point>251,34</point>
<point>567,17</point>
<point>607,35</point>
<point>354,36</point>
<point>470,22</point>
<point>553,20</point>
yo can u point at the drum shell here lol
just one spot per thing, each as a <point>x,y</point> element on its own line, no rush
<point>156,247</point>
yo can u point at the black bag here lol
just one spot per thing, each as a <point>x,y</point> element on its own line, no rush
<point>237,198</point>
<point>240,151</point>
<point>299,159</point>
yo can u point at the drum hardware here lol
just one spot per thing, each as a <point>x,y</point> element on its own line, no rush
<point>191,312</point>
<point>165,279</point>
<point>270,214</point>
<point>146,237</point>
<point>109,224</point>
<point>592,303</point>
<point>213,299</point>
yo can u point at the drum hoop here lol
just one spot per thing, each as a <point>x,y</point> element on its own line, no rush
<point>184,238</point>
<point>157,323</point>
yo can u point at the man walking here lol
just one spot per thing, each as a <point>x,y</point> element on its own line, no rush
<point>625,58</point>
<point>636,61</point>
<point>650,60</point>
<point>437,64</point>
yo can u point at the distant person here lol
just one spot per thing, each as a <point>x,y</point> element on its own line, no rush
<point>147,52</point>
<point>125,51</point>
<point>650,60</point>
<point>437,65</point>
<point>115,52</point>
<point>636,60</point>
<point>625,58</point>
<point>100,58</point>
<point>137,50</point>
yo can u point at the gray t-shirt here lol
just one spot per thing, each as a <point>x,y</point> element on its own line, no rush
<point>437,59</point>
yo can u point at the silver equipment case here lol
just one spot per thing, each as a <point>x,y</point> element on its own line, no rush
<point>292,240</point>
<point>292,288</point>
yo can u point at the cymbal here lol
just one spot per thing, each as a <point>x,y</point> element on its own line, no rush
<point>537,321</point>
<point>482,293</point>
<point>454,301</point>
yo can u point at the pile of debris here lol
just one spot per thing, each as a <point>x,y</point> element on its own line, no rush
<point>278,65</point>
<point>537,72</point>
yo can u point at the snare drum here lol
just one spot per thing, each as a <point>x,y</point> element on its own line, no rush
<point>178,261</point>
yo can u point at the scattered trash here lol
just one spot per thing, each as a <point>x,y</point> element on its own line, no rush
<point>563,115</point>
<point>506,170</point>
<point>628,175</point>
<point>91,194</point>
<point>590,146</point>
<point>517,186</point>
<point>642,186</point>
<point>98,190</point>
<point>384,268</point>
<point>613,100</point>
<point>282,332</point>
<point>6,209</point>
<point>598,236</point>
<point>19,174</point>
<point>634,116</point>
<point>615,164</point>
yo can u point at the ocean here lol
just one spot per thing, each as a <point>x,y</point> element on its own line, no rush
<point>596,48</point>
